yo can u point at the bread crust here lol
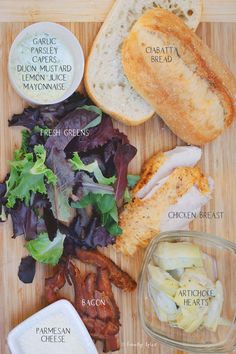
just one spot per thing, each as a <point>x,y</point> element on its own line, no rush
<point>124,119</point>
<point>194,53</point>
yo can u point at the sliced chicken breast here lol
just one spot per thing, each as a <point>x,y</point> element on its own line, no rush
<point>142,219</point>
<point>179,215</point>
<point>163,164</point>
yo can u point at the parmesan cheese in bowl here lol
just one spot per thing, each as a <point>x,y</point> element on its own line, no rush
<point>46,63</point>
<point>57,329</point>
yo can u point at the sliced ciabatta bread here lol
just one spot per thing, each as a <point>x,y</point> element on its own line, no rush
<point>187,85</point>
<point>105,80</point>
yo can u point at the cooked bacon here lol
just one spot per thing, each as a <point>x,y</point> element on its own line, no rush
<point>99,329</point>
<point>111,344</point>
<point>104,285</point>
<point>89,294</point>
<point>105,309</point>
<point>90,282</point>
<point>118,277</point>
<point>102,320</point>
<point>55,283</point>
<point>78,286</point>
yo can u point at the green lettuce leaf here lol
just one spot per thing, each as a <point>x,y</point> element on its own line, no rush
<point>45,251</point>
<point>93,167</point>
<point>127,196</point>
<point>105,206</point>
<point>28,174</point>
<point>25,138</point>
<point>132,180</point>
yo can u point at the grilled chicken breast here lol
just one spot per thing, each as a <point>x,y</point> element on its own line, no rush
<point>169,184</point>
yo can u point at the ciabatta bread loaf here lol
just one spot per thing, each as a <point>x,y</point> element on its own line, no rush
<point>105,81</point>
<point>180,77</point>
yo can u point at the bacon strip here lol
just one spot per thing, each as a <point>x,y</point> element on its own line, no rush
<point>77,281</point>
<point>119,278</point>
<point>99,329</point>
<point>104,285</point>
<point>111,344</point>
<point>89,294</point>
<point>54,284</point>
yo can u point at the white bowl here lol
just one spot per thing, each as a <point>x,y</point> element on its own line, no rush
<point>27,67</point>
<point>28,337</point>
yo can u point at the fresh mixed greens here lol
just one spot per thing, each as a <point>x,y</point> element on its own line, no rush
<point>66,182</point>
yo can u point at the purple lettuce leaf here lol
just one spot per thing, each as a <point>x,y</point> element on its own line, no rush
<point>48,115</point>
<point>85,184</point>
<point>74,121</point>
<point>40,201</point>
<point>24,221</point>
<point>47,222</point>
<point>29,118</point>
<point>3,189</point>
<point>41,227</point>
<point>101,238</point>
<point>86,233</point>
<point>26,270</point>
<point>60,193</point>
<point>123,155</point>
<point>51,223</point>
<point>35,138</point>
<point>98,136</point>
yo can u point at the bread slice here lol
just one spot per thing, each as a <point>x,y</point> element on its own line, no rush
<point>188,86</point>
<point>105,81</point>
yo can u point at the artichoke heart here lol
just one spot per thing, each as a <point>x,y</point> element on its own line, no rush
<point>198,275</point>
<point>170,256</point>
<point>165,308</point>
<point>193,301</point>
<point>215,308</point>
<point>190,321</point>
<point>162,280</point>
<point>193,297</point>
<point>176,273</point>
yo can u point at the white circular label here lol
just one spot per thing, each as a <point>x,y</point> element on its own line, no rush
<point>41,67</point>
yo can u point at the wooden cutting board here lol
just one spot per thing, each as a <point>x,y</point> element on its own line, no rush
<point>84,17</point>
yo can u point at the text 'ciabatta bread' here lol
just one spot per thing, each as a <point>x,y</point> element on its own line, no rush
<point>170,185</point>
<point>183,80</point>
<point>105,80</point>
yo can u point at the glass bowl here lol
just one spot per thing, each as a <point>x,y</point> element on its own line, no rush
<point>220,264</point>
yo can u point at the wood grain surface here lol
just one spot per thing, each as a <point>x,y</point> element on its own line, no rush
<point>17,300</point>
<point>93,10</point>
